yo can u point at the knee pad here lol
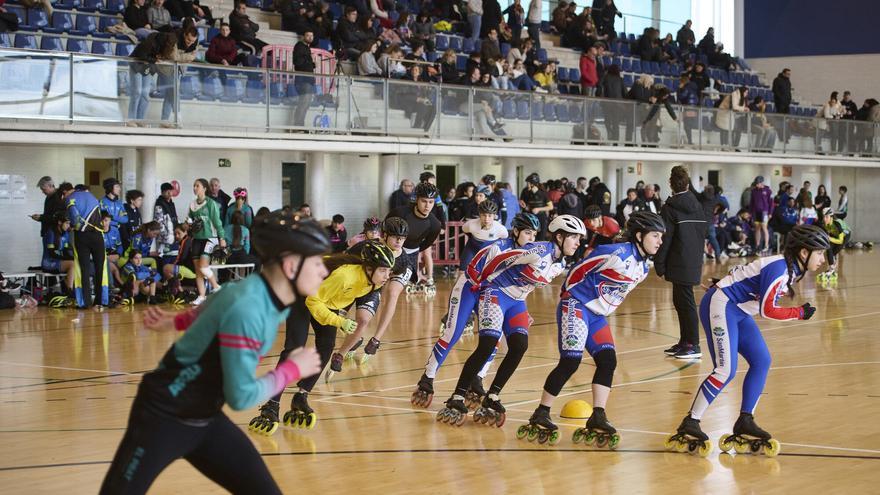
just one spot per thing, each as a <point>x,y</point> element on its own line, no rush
<point>517,344</point>
<point>606,362</point>
<point>561,374</point>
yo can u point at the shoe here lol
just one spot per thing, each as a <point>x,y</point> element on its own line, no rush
<point>198,301</point>
<point>688,351</point>
<point>723,257</point>
<point>672,350</point>
<point>733,246</point>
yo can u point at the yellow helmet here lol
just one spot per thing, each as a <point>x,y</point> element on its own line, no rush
<point>576,409</point>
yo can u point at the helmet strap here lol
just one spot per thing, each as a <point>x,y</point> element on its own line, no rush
<point>293,285</point>
<point>640,245</point>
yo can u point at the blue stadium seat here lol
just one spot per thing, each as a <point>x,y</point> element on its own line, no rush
<point>562,112</point>
<point>233,90</point>
<point>522,109</point>
<point>254,4</point>
<point>626,66</point>
<point>624,49</point>
<point>5,40</point>
<point>86,23</point>
<point>37,18</point>
<point>622,35</point>
<point>325,44</point>
<point>106,22</point>
<point>51,43</point>
<point>450,106</point>
<point>465,45</point>
<point>267,5</point>
<point>574,89</point>
<point>77,45</point>
<point>576,113</point>
<point>94,4</point>
<point>637,66</point>
<point>442,43</point>
<point>277,93</point>
<point>212,31</point>
<point>550,112</point>
<point>654,68</point>
<point>537,110</point>
<point>460,62</point>
<point>255,92</point>
<point>562,74</point>
<point>19,11</point>
<point>574,75</point>
<point>628,80</point>
<point>101,48</point>
<point>291,92</point>
<point>336,10</point>
<point>124,49</point>
<point>67,4</point>
<point>189,87</point>
<point>212,89</point>
<point>542,55</point>
<point>62,21</point>
<point>563,88</point>
<point>508,110</point>
<point>116,6</point>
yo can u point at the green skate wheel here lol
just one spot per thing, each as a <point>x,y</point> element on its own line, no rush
<point>772,448</point>
<point>364,359</point>
<point>554,437</point>
<point>522,432</point>
<point>613,441</point>
<point>578,435</point>
<point>725,443</point>
<point>533,434</point>
<point>602,440</point>
<point>543,436</point>
<point>590,438</point>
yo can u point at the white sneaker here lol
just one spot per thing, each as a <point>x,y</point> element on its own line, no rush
<point>733,246</point>
<point>198,301</point>
<point>723,257</point>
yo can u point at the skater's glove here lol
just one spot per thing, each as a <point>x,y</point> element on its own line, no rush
<point>348,326</point>
<point>807,311</point>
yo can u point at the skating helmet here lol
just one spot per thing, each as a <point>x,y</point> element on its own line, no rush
<point>278,234</point>
<point>533,178</point>
<point>426,190</point>
<point>240,192</point>
<point>809,237</point>
<point>569,224</point>
<point>526,221</point>
<point>395,226</point>
<point>827,211</point>
<point>488,179</point>
<point>372,224</point>
<point>592,212</point>
<point>487,207</point>
<point>484,190</point>
<point>377,254</point>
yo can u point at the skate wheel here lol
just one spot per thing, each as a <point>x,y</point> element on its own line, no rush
<point>440,415</point>
<point>578,436</point>
<point>364,359</point>
<point>590,438</point>
<point>670,443</point>
<point>724,443</point>
<point>308,422</point>
<point>328,376</point>
<point>740,447</point>
<point>499,421</point>
<point>682,446</point>
<point>543,437</point>
<point>613,441</point>
<point>602,440</point>
<point>772,448</point>
<point>288,419</point>
<point>554,437</point>
<point>704,449</point>
<point>522,432</point>
<point>533,434</point>
<point>459,420</point>
<point>270,429</point>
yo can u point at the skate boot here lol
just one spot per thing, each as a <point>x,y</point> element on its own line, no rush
<point>689,438</point>
<point>152,300</point>
<point>350,354</point>
<point>429,288</point>
<point>300,414</point>
<point>267,422</point>
<point>455,411</point>
<point>540,427</point>
<point>469,326</point>
<point>598,430</point>
<point>335,366</point>
<point>749,438</point>
<point>370,349</point>
<point>424,394</point>
<point>474,396</point>
<point>491,413</point>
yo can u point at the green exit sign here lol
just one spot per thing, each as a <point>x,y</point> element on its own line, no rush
<point>224,162</point>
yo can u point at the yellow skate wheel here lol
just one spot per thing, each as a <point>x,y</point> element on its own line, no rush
<point>682,446</point>
<point>773,448</point>
<point>554,437</point>
<point>724,443</point>
<point>741,447</point>
<point>522,432</point>
<point>288,419</point>
<point>670,443</point>
<point>705,449</point>
<point>308,422</point>
<point>270,429</point>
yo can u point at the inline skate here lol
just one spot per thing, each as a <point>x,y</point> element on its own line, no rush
<point>598,430</point>
<point>689,438</point>
<point>539,428</point>
<point>749,438</point>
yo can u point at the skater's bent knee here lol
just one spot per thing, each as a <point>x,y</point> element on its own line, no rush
<point>606,363</point>
<point>518,343</point>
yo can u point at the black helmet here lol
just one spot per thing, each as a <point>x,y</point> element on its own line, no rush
<point>108,183</point>
<point>377,254</point>
<point>426,176</point>
<point>426,190</point>
<point>523,221</point>
<point>277,234</point>
<point>810,237</point>
<point>533,178</point>
<point>371,224</point>
<point>488,179</point>
<point>487,206</point>
<point>644,222</point>
<point>395,226</point>
<point>592,211</point>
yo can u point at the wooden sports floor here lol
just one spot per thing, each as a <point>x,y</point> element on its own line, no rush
<point>66,388</point>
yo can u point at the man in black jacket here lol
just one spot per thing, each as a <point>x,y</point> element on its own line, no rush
<point>782,91</point>
<point>680,259</point>
<point>244,30</point>
<point>685,38</point>
<point>53,203</point>
<point>348,37</point>
<point>305,85</point>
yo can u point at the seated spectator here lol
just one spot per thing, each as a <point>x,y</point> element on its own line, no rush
<point>474,60</point>
<point>726,117</point>
<point>404,27</point>
<point>240,205</point>
<point>629,205</point>
<point>372,230</point>
<point>157,47</point>
<point>449,73</point>
<point>238,238</point>
<point>518,78</point>
<point>337,233</point>
<point>720,59</point>
<point>323,21</point>
<point>58,251</point>
<point>348,37</point>
<point>423,30</point>
<point>785,217</point>
<point>159,17</point>
<point>178,262</point>
<point>699,77</point>
<point>546,79</point>
<point>135,17</point>
<point>765,134</point>
<point>417,102</point>
<point>143,241</point>
<point>391,62</point>
<point>223,50</point>
<point>740,229</point>
<point>605,19</point>
<point>490,47</point>
<point>367,64</point>
<point>141,279</point>
<point>244,30</point>
<point>190,9</point>
<point>670,50</point>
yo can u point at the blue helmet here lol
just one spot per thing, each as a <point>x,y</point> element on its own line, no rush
<point>523,221</point>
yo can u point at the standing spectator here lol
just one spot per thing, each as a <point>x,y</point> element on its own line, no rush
<point>491,19</point>
<point>240,205</point>
<point>804,194</point>
<point>822,201</point>
<point>223,50</point>
<point>113,204</point>
<point>305,210</point>
<point>189,9</point>
<point>516,19</point>
<point>244,30</point>
<point>612,87</point>
<point>475,17</point>
<point>533,21</point>
<point>707,44</point>
<point>134,200</point>
<point>185,46</point>
<point>337,233</point>
<point>652,199</point>
<point>157,47</point>
<point>869,113</point>
<point>53,203</point>
<point>402,196</point>
<point>605,19</point>
<point>689,94</point>
<point>135,17</point>
<point>559,17</point>
<point>600,196</point>
<point>238,238</point>
<point>642,93</point>
<point>842,203</point>
<point>589,76</point>
<point>305,85</point>
<point>680,259</point>
<point>220,196</point>
<point>761,207</point>
<point>685,38</point>
<point>828,122</point>
<point>423,30</point>
<point>570,203</point>
<point>534,200</point>
<point>785,217</point>
<point>847,130</point>
<point>765,134</point>
<point>651,126</point>
<point>726,118</point>
<point>348,37</point>
<point>83,210</point>
<point>782,92</point>
<point>709,202</point>
<point>490,49</point>
<point>165,214</point>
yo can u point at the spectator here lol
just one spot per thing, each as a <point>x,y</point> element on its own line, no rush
<point>689,94</point>
<point>629,205</point>
<point>707,44</point>
<point>207,232</point>
<point>641,92</point>
<point>158,47</point>
<point>240,205</point>
<point>842,203</point>
<point>113,204</point>
<point>534,200</point>
<point>589,76</point>
<point>804,194</point>
<point>599,195</point>
<point>337,233</point>
<point>700,78</point>
<point>367,64</point>
<point>491,18</point>
<point>305,210</point>
<point>559,17</point>
<point>680,259</point>
<point>533,21</point>
<point>869,112</point>
<point>807,212</point>
<point>490,48</point>
<point>822,201</point>
<point>305,85</point>
<point>848,132</point>
<point>189,9</point>
<point>244,30</point>
<point>140,279</point>
<point>88,246</point>
<point>571,203</point>
<point>402,196</point>
<point>165,214</point>
<point>372,230</point>
<point>186,44</point>
<point>377,8</point>
<point>831,112</point>
<point>718,58</point>
<point>53,203</point>
<point>218,195</point>
<point>223,50</point>
<point>238,238</point>
<point>651,126</point>
<point>516,19</point>
<point>158,16</point>
<point>785,217</point>
<point>448,70</point>
<point>612,86</point>
<point>782,92</point>
<point>135,17</point>
<point>709,202</point>
<point>58,250</point>
<point>348,36</point>
<point>417,103</point>
<point>604,19</point>
<point>423,30</point>
<point>765,134</point>
<point>546,79</point>
<point>475,17</point>
<point>726,119</point>
<point>652,199</point>
<point>761,207</point>
<point>669,49</point>
<point>685,38</point>
<point>323,25</point>
<point>134,200</point>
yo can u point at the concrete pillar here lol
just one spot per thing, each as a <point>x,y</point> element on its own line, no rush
<point>147,181</point>
<point>826,181</point>
<point>695,170</point>
<point>655,14</point>
<point>388,181</point>
<point>315,179</point>
<point>508,173</point>
<point>609,177</point>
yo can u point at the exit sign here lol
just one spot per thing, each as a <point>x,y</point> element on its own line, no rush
<point>224,162</point>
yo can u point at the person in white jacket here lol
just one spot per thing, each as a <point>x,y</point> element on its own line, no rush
<point>737,101</point>
<point>828,121</point>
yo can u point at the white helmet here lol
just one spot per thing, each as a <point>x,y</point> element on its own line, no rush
<point>568,223</point>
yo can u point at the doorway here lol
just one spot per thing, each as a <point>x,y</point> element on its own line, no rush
<point>293,184</point>
<point>446,178</point>
<point>714,177</point>
<point>98,169</point>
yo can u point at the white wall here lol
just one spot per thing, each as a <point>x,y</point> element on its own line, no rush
<point>814,78</point>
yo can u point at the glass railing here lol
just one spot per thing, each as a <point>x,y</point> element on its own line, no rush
<point>104,90</point>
